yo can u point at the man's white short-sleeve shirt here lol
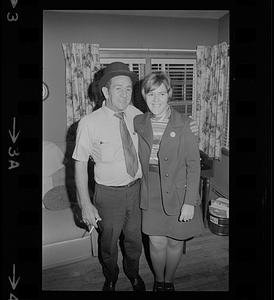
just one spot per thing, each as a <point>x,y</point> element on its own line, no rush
<point>98,136</point>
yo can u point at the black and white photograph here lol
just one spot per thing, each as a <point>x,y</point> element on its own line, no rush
<point>135,147</point>
<point>144,163</point>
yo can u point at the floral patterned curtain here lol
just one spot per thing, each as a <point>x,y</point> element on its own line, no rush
<point>211,97</point>
<point>82,61</point>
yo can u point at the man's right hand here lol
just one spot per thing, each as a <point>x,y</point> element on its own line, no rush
<point>90,214</point>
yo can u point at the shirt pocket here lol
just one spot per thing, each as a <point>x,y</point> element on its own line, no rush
<point>107,151</point>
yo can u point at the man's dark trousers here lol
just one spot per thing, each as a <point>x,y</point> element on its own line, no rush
<point>120,212</point>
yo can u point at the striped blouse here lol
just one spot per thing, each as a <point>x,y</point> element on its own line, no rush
<point>158,124</point>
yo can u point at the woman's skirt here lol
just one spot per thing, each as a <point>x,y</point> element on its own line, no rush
<point>156,222</point>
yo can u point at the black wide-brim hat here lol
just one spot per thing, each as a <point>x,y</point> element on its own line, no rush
<point>116,69</point>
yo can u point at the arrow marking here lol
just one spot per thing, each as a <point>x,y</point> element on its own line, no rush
<point>13,136</point>
<point>13,3</point>
<point>13,282</point>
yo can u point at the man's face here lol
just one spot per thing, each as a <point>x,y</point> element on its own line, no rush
<point>118,95</point>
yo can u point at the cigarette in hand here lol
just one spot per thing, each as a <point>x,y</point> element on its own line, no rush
<point>92,227</point>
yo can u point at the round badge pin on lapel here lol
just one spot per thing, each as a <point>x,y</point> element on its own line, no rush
<point>172,134</point>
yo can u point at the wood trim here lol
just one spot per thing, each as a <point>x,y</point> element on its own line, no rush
<point>149,49</point>
<point>146,54</point>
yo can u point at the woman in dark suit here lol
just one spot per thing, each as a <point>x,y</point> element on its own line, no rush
<point>170,160</point>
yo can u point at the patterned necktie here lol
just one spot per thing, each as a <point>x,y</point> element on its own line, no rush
<point>128,147</point>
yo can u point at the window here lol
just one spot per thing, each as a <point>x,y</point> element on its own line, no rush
<point>135,65</point>
<point>181,67</point>
<point>182,73</point>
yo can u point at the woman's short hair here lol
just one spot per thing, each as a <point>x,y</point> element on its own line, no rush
<point>153,80</point>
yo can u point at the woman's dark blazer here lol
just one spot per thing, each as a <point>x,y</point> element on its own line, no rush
<point>179,161</point>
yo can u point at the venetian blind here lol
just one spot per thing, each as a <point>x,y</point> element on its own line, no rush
<point>182,73</point>
<point>135,65</point>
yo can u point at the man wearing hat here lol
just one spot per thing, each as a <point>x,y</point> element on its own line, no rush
<point>107,135</point>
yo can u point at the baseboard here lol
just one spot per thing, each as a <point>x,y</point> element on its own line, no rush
<point>66,252</point>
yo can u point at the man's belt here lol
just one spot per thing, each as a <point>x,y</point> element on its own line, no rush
<point>121,186</point>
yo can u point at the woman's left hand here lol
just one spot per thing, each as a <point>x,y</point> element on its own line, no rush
<point>187,213</point>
